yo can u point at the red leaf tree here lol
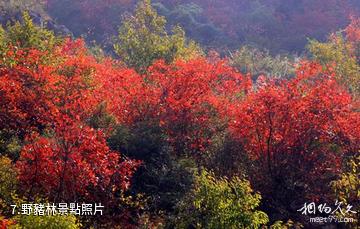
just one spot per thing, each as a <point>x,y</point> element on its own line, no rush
<point>190,96</point>
<point>184,99</point>
<point>297,133</point>
<point>75,161</point>
<point>48,104</point>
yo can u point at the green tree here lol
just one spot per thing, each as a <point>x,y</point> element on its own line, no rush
<point>8,183</point>
<point>220,203</point>
<point>27,35</point>
<point>163,178</point>
<point>347,187</point>
<point>46,222</point>
<point>259,62</point>
<point>339,54</point>
<point>143,39</point>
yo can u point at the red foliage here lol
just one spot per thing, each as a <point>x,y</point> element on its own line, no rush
<point>49,105</point>
<point>298,129</point>
<point>123,90</point>
<point>22,98</point>
<point>6,223</point>
<point>183,98</point>
<point>72,162</point>
<point>186,97</point>
<point>35,93</point>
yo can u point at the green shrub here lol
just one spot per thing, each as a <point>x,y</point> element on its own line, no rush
<point>220,203</point>
<point>47,222</point>
<point>143,39</point>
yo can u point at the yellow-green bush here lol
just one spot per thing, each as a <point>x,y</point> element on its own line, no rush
<point>143,39</point>
<point>220,203</point>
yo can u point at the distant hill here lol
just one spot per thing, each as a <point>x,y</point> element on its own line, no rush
<point>278,25</point>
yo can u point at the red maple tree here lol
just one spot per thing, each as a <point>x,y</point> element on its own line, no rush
<point>49,105</point>
<point>69,164</point>
<point>185,99</point>
<point>297,131</point>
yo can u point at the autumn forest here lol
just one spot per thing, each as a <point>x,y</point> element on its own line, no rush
<point>179,114</point>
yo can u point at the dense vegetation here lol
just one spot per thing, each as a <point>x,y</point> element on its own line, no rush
<point>278,25</point>
<point>164,131</point>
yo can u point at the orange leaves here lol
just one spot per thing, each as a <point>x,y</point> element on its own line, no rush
<point>35,92</point>
<point>49,105</point>
<point>75,159</point>
<point>305,107</point>
<point>303,124</point>
<point>24,105</point>
<point>43,169</point>
<point>122,89</point>
<point>6,223</point>
<point>182,98</point>
<point>188,97</point>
